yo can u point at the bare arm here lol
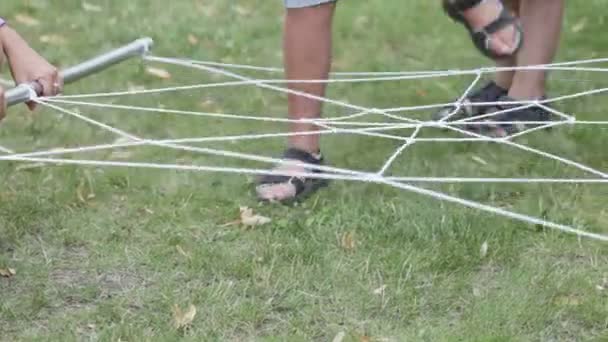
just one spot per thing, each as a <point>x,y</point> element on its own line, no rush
<point>27,65</point>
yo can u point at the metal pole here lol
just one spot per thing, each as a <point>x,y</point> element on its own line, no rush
<point>22,92</point>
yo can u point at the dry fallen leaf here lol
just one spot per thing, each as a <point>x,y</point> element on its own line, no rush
<point>479,160</point>
<point>580,25</point>
<point>365,338</point>
<point>7,272</point>
<point>183,319</point>
<point>339,337</point>
<point>421,92</point>
<point>53,39</point>
<point>121,155</point>
<point>603,286</point>
<point>135,88</point>
<point>90,7</point>
<point>158,72</point>
<point>380,290</point>
<point>483,251</point>
<point>242,11</point>
<point>348,241</point>
<point>192,39</point>
<point>568,300</point>
<point>85,191</point>
<point>181,251</point>
<point>26,20</point>
<point>249,219</point>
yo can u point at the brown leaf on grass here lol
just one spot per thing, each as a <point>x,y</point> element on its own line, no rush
<point>483,251</point>
<point>479,160</point>
<point>580,25</point>
<point>380,291</point>
<point>365,338</point>
<point>158,72</point>
<point>421,92</point>
<point>91,7</point>
<point>181,251</point>
<point>183,319</point>
<point>249,219</point>
<point>134,87</point>
<point>568,300</point>
<point>347,241</point>
<point>7,272</point>
<point>84,191</point>
<point>603,286</point>
<point>339,337</point>
<point>192,39</point>
<point>242,11</point>
<point>53,39</point>
<point>121,155</point>
<point>26,20</point>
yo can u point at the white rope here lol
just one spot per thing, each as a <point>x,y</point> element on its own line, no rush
<point>356,123</point>
<point>372,178</point>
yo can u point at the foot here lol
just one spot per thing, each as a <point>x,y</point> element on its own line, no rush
<point>490,92</point>
<point>515,120</point>
<point>494,31</point>
<point>287,183</point>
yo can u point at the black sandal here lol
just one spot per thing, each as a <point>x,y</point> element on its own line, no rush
<point>515,119</point>
<point>303,186</point>
<point>481,37</point>
<point>490,92</point>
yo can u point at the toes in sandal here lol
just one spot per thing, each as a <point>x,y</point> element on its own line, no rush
<point>482,37</point>
<point>516,120</point>
<point>490,92</point>
<point>302,186</point>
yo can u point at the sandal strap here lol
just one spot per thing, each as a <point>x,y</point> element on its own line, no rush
<point>303,156</point>
<point>461,5</point>
<point>298,182</point>
<point>533,113</point>
<point>504,19</point>
<point>481,37</point>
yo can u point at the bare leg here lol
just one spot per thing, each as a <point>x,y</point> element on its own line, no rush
<point>504,79</point>
<point>307,53</point>
<point>542,22</point>
<point>307,45</point>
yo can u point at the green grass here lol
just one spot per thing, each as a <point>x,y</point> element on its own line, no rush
<point>104,253</point>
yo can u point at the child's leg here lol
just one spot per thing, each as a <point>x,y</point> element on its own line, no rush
<point>504,78</point>
<point>478,16</point>
<point>307,45</point>
<point>542,22</point>
<point>307,55</point>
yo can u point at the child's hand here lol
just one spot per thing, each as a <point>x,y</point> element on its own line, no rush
<point>28,66</point>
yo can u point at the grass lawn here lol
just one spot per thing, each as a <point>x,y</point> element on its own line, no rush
<point>106,253</point>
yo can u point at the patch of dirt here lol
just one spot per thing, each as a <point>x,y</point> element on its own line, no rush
<point>73,273</point>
